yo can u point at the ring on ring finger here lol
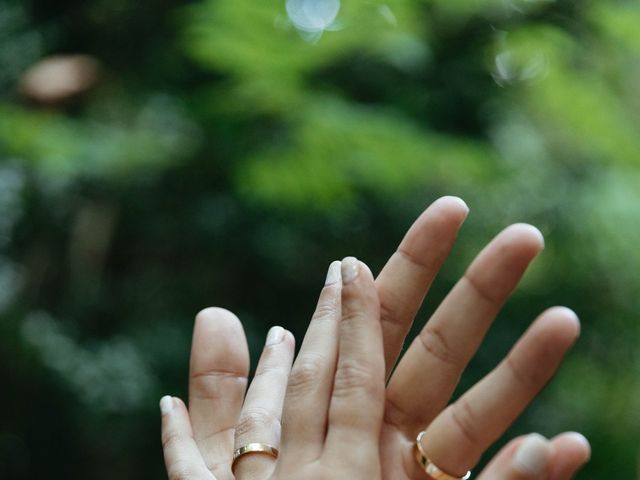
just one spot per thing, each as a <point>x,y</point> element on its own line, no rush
<point>259,448</point>
<point>431,468</point>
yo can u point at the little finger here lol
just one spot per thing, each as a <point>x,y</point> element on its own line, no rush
<point>181,455</point>
<point>525,458</point>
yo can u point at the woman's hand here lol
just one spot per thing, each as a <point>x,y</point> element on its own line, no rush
<point>424,379</point>
<point>334,402</point>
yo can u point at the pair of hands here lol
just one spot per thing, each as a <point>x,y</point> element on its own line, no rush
<point>330,414</point>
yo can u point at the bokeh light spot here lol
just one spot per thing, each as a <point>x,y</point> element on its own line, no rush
<point>313,16</point>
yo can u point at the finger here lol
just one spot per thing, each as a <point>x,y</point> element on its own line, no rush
<point>526,458</point>
<point>482,414</point>
<point>407,276</point>
<point>308,394</point>
<point>571,452</point>
<point>355,412</point>
<point>217,382</point>
<point>453,334</point>
<point>260,417</point>
<point>181,455</point>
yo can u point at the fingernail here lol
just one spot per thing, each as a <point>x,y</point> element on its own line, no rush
<point>349,269</point>
<point>333,275</point>
<point>533,455</point>
<point>275,335</point>
<point>166,404</point>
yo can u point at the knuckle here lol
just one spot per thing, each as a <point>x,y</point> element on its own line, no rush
<point>414,260</point>
<point>305,373</point>
<point>275,362</point>
<point>389,308</point>
<point>351,295</point>
<point>256,420</point>
<point>526,377</point>
<point>480,288</point>
<point>356,378</point>
<point>272,367</point>
<point>360,305</point>
<point>325,311</point>
<point>465,419</point>
<point>215,385</point>
<point>353,314</point>
<point>183,470</point>
<point>170,440</point>
<point>435,344</point>
<point>394,415</point>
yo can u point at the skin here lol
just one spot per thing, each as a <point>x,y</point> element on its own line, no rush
<point>334,399</point>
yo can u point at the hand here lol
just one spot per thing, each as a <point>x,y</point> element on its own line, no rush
<point>422,384</point>
<point>402,286</point>
<point>346,403</point>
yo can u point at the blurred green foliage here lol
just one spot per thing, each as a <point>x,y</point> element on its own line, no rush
<point>225,157</point>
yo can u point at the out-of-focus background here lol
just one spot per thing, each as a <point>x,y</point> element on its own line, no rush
<point>157,157</point>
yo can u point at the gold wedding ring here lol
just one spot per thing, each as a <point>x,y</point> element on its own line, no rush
<point>261,448</point>
<point>429,467</point>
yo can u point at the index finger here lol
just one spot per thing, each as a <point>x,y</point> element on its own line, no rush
<point>405,279</point>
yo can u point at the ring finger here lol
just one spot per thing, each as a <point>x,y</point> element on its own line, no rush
<point>260,418</point>
<point>457,438</point>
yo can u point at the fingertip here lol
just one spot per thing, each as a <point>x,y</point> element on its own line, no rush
<point>274,336</point>
<point>452,203</point>
<point>289,338</point>
<point>564,320</point>
<point>217,315</point>
<point>166,405</point>
<point>170,404</point>
<point>571,451</point>
<point>576,443</point>
<point>366,270</point>
<point>581,442</point>
<point>567,314</point>
<point>333,273</point>
<point>280,336</point>
<point>448,212</point>
<point>218,341</point>
<point>218,322</point>
<point>178,403</point>
<point>349,269</point>
<point>533,455</point>
<point>526,235</point>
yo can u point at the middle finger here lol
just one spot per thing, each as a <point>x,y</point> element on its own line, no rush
<point>481,415</point>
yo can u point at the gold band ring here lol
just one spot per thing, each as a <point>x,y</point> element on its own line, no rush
<point>429,467</point>
<point>262,448</point>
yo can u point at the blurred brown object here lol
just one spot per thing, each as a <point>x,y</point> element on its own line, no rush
<point>59,79</point>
